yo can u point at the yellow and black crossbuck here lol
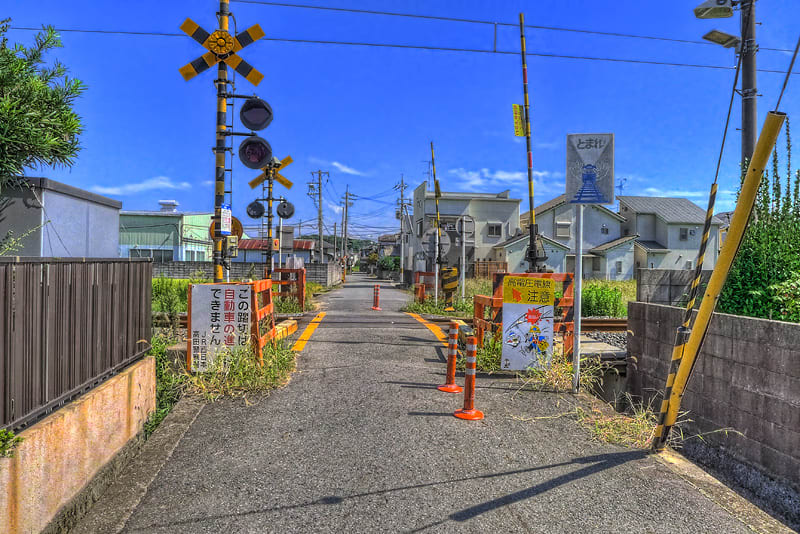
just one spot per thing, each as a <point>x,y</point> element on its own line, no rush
<point>221,46</point>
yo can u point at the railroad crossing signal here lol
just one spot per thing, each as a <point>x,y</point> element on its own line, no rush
<point>222,46</point>
<point>258,180</point>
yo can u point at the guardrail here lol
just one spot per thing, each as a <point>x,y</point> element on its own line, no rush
<point>291,277</point>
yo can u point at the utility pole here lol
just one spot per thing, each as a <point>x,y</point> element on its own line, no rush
<point>220,149</point>
<point>316,189</point>
<point>334,241</point>
<point>749,92</point>
<point>402,204</point>
<point>347,204</point>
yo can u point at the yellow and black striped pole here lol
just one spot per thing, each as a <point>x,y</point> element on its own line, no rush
<point>437,192</point>
<point>532,229</point>
<point>689,343</point>
<point>449,286</point>
<point>682,334</point>
<point>220,149</point>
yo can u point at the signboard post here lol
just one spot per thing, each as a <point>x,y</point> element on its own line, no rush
<point>527,322</point>
<point>225,219</point>
<point>519,119</point>
<point>219,319</point>
<point>590,180</point>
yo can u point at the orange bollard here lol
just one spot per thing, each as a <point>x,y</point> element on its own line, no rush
<point>469,412</point>
<point>376,298</point>
<point>452,353</point>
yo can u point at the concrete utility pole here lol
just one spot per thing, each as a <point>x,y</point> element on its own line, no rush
<point>334,241</point>
<point>402,187</point>
<point>347,197</point>
<point>316,188</point>
<point>749,92</point>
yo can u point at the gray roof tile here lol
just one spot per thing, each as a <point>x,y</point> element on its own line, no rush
<point>670,209</point>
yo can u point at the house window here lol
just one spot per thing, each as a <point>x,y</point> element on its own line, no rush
<point>618,266</point>
<point>189,255</point>
<point>562,229</point>
<point>684,235</point>
<point>604,229</point>
<point>689,264</point>
<point>692,231</point>
<point>596,264</point>
<point>419,228</point>
<point>158,255</point>
<point>495,229</point>
<point>201,256</point>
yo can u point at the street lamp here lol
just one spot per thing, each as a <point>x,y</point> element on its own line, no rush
<point>714,9</point>
<point>721,38</point>
<point>746,46</point>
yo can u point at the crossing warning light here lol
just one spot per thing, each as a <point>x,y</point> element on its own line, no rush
<point>255,114</point>
<point>255,152</point>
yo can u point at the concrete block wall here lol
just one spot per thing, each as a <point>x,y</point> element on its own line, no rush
<point>666,286</point>
<point>327,274</point>
<point>747,379</point>
<point>53,473</point>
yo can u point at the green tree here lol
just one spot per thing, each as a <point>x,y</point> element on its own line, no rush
<point>764,277</point>
<point>37,124</point>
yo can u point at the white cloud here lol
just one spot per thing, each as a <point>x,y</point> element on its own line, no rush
<point>151,184</point>
<point>341,167</point>
<point>487,179</point>
<point>683,193</point>
<point>545,145</point>
<point>335,208</point>
<point>208,182</point>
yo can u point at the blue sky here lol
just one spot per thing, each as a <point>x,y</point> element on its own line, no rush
<point>368,114</point>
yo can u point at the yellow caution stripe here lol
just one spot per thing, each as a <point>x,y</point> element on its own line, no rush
<point>203,63</point>
<point>306,335</point>
<point>441,336</point>
<point>244,68</point>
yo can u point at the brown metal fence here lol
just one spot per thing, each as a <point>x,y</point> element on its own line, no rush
<point>65,326</point>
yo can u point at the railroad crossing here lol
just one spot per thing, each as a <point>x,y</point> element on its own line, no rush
<point>361,440</point>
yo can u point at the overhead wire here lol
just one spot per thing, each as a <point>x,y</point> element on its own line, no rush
<point>423,47</point>
<point>487,23</point>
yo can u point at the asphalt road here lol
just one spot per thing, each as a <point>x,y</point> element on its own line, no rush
<point>361,441</point>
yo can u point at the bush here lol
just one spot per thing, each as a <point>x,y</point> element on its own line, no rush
<point>170,295</point>
<point>389,263</point>
<point>170,384</point>
<point>602,299</point>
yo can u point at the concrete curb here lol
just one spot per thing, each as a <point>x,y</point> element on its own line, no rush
<point>110,513</point>
<point>748,513</point>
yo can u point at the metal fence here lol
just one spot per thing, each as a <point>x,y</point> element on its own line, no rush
<point>65,326</point>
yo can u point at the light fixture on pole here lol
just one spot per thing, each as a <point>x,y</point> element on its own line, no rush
<point>721,38</point>
<point>746,47</point>
<point>714,9</point>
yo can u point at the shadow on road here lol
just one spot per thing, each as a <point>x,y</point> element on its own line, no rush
<point>599,462</point>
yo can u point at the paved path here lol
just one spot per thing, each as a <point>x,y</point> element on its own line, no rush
<point>360,441</point>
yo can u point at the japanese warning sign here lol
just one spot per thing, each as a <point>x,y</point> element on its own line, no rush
<point>219,318</point>
<point>590,168</point>
<point>527,322</point>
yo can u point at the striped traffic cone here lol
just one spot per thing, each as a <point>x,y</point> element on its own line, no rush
<point>469,412</point>
<point>376,298</point>
<point>452,353</point>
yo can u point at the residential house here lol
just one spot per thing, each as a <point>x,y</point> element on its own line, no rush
<point>607,252</point>
<point>53,219</point>
<point>166,234</point>
<point>669,232</point>
<point>389,245</point>
<point>490,219</point>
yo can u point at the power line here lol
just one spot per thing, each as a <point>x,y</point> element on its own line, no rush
<point>489,23</point>
<point>422,47</point>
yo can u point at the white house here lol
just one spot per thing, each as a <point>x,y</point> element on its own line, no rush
<point>669,232</point>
